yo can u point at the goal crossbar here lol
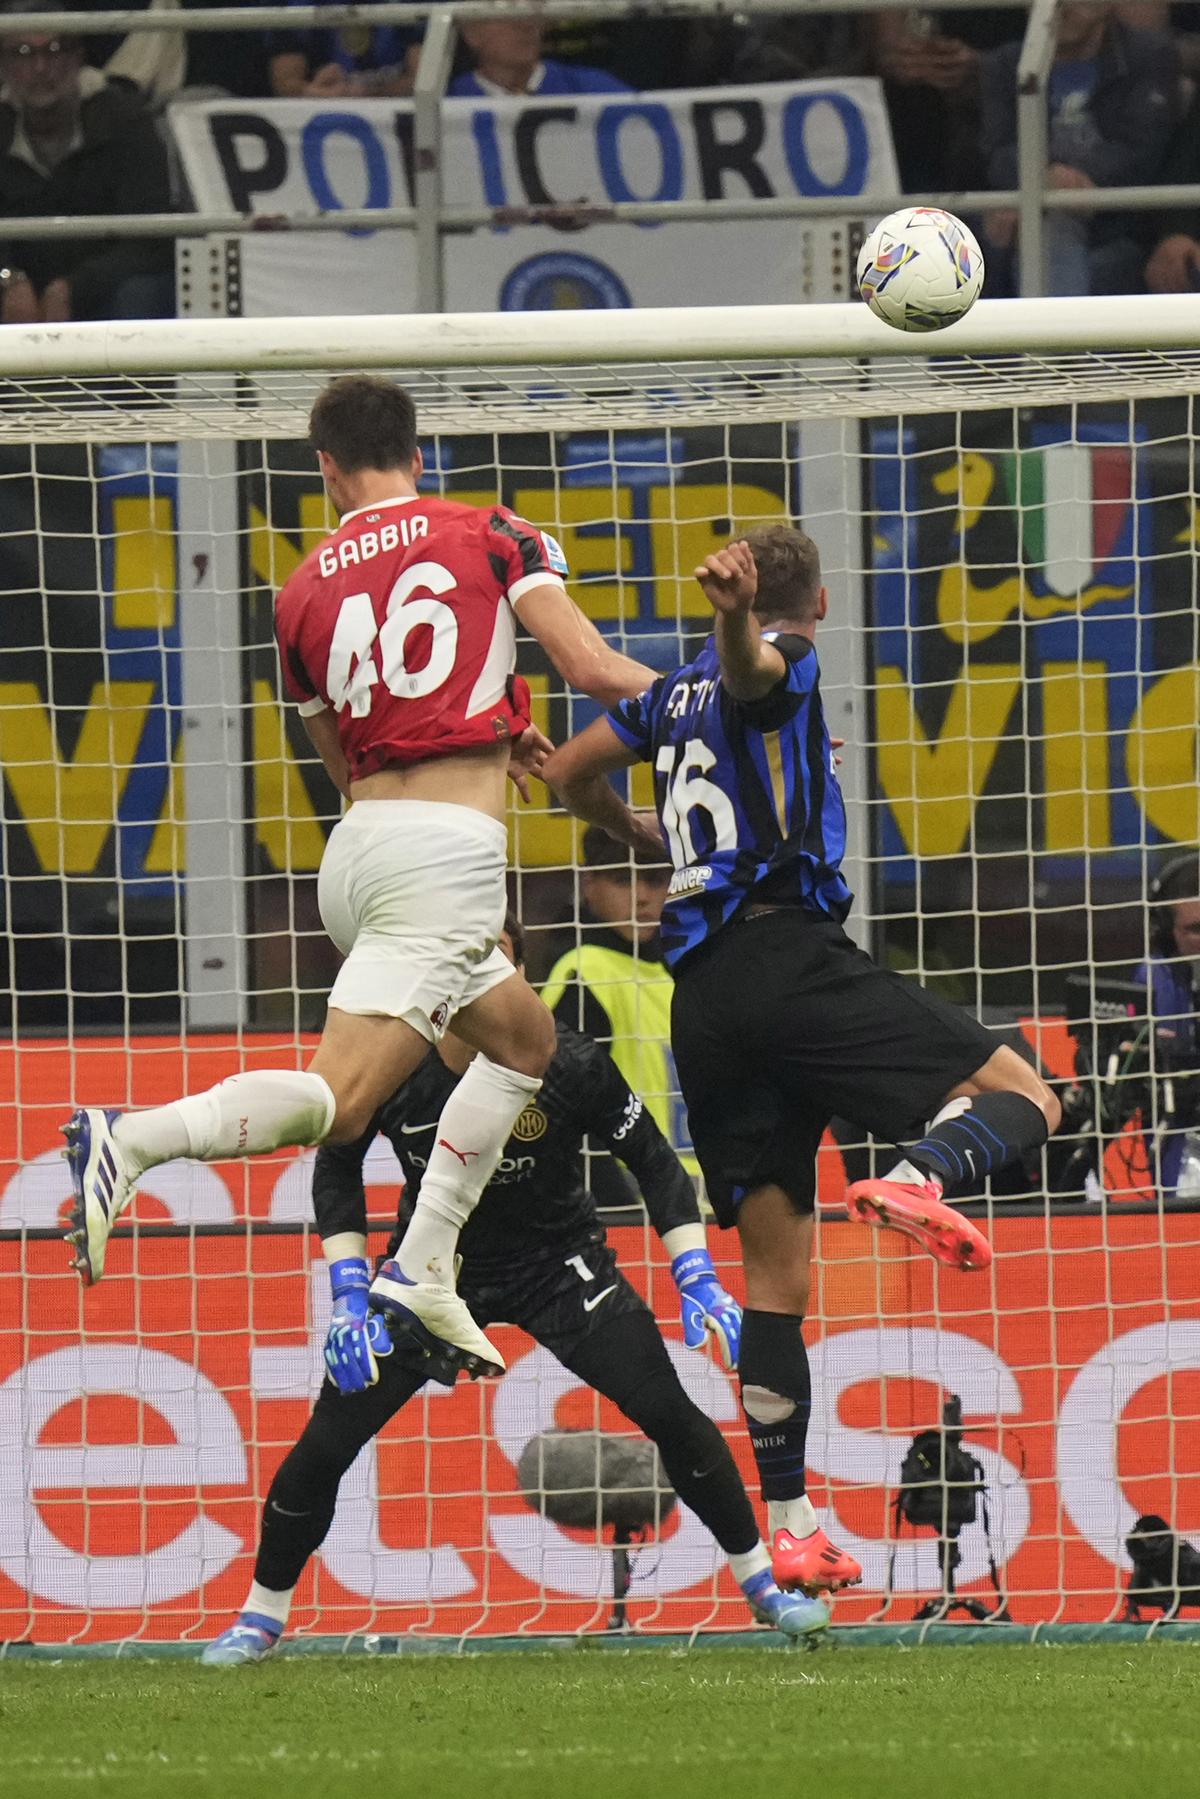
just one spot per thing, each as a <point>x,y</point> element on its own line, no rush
<point>648,368</point>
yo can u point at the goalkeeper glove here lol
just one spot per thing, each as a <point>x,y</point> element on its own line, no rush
<point>708,1311</point>
<point>356,1336</point>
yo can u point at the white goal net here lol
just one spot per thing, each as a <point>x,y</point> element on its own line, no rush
<point>1009,536</point>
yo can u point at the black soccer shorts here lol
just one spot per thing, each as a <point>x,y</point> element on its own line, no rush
<point>780,1023</point>
<point>561,1301</point>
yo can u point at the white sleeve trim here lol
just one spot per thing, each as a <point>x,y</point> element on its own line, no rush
<point>310,708</point>
<point>527,583</point>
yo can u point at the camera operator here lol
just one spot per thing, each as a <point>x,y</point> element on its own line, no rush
<point>1171,977</point>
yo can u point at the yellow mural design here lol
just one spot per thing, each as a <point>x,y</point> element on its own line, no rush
<point>144,578</point>
<point>68,804</point>
<point>1161,754</point>
<point>285,819</point>
<point>970,613</point>
<point>933,787</point>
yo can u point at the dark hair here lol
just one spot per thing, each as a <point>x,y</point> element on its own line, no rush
<point>789,572</point>
<point>1178,879</point>
<point>365,421</point>
<point>516,936</point>
<point>604,853</point>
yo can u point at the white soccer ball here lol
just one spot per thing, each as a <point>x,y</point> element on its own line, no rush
<point>920,269</point>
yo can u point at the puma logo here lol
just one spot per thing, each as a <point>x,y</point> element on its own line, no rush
<point>463,1155</point>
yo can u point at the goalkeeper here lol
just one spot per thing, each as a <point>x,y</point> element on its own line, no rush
<point>534,1254</point>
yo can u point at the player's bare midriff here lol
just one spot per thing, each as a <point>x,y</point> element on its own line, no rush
<point>475,778</point>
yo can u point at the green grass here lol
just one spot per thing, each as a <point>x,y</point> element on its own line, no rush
<point>844,1723</point>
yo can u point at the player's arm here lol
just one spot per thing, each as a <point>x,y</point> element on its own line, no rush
<point>534,567</point>
<point>576,648</point>
<point>319,721</point>
<point>618,1117</point>
<point>355,1337</point>
<point>750,666</point>
<point>577,773</point>
<point>323,735</point>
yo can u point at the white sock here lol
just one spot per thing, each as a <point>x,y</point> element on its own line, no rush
<point>268,1603</point>
<point>909,1176</point>
<point>475,1124</point>
<point>245,1116</point>
<point>796,1516</point>
<point>755,1561</point>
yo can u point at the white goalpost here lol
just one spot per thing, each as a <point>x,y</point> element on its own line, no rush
<point>1008,514</point>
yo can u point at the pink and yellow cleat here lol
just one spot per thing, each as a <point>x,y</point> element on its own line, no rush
<point>922,1214</point>
<point>812,1563</point>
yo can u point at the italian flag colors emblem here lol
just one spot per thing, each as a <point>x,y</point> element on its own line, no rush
<point>1073,502</point>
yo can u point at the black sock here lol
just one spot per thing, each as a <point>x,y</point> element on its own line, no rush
<point>300,1505</point>
<point>700,1466</point>
<point>995,1129</point>
<point>776,1392</point>
<point>628,1362</point>
<point>296,1516</point>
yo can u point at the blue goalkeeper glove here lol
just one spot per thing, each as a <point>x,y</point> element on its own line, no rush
<point>708,1311</point>
<point>356,1336</point>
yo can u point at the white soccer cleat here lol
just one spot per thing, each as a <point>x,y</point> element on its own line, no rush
<point>438,1322</point>
<point>243,1642</point>
<point>103,1188</point>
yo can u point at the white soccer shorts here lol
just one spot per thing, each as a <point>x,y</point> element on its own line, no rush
<point>412,892</point>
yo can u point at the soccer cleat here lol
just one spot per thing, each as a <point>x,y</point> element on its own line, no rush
<point>792,1614</point>
<point>103,1190</point>
<point>921,1213</point>
<point>437,1321</point>
<point>812,1563</point>
<point>251,1639</point>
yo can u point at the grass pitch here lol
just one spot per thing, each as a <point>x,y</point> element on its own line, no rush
<point>844,1723</point>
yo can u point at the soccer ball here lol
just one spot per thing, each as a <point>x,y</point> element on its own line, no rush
<point>920,269</point>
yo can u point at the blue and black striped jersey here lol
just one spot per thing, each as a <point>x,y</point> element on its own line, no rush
<point>746,792</point>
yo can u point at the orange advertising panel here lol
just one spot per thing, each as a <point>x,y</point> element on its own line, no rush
<point>140,1425</point>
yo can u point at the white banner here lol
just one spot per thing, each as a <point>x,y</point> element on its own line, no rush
<point>288,156</point>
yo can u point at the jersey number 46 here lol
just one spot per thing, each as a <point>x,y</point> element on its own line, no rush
<point>352,672</point>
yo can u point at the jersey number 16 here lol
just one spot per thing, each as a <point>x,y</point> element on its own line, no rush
<point>685,790</point>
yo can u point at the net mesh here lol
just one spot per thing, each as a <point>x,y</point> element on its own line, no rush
<point>659,395</point>
<point>1011,656</point>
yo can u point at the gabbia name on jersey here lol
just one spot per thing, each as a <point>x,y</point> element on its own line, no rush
<point>402,624</point>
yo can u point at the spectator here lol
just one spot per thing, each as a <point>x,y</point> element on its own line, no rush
<point>1112,102</point>
<point>73,142</point>
<point>165,65</point>
<point>930,64</point>
<point>613,986</point>
<point>351,61</point>
<point>644,53</point>
<point>506,56</point>
<point>740,52</point>
<point>1174,265</point>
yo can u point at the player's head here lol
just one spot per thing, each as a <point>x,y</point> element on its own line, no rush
<point>512,939</point>
<point>789,576</point>
<point>1175,899</point>
<point>364,426</point>
<point>626,894</point>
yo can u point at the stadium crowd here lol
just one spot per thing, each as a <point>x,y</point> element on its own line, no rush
<point>83,129</point>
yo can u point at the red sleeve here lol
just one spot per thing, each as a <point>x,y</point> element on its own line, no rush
<point>531,557</point>
<point>297,683</point>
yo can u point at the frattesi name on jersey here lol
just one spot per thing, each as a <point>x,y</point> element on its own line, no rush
<point>396,534</point>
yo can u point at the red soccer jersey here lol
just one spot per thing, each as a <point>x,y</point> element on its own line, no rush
<point>402,623</point>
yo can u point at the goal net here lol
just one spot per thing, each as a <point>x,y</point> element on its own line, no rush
<point>1009,536</point>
